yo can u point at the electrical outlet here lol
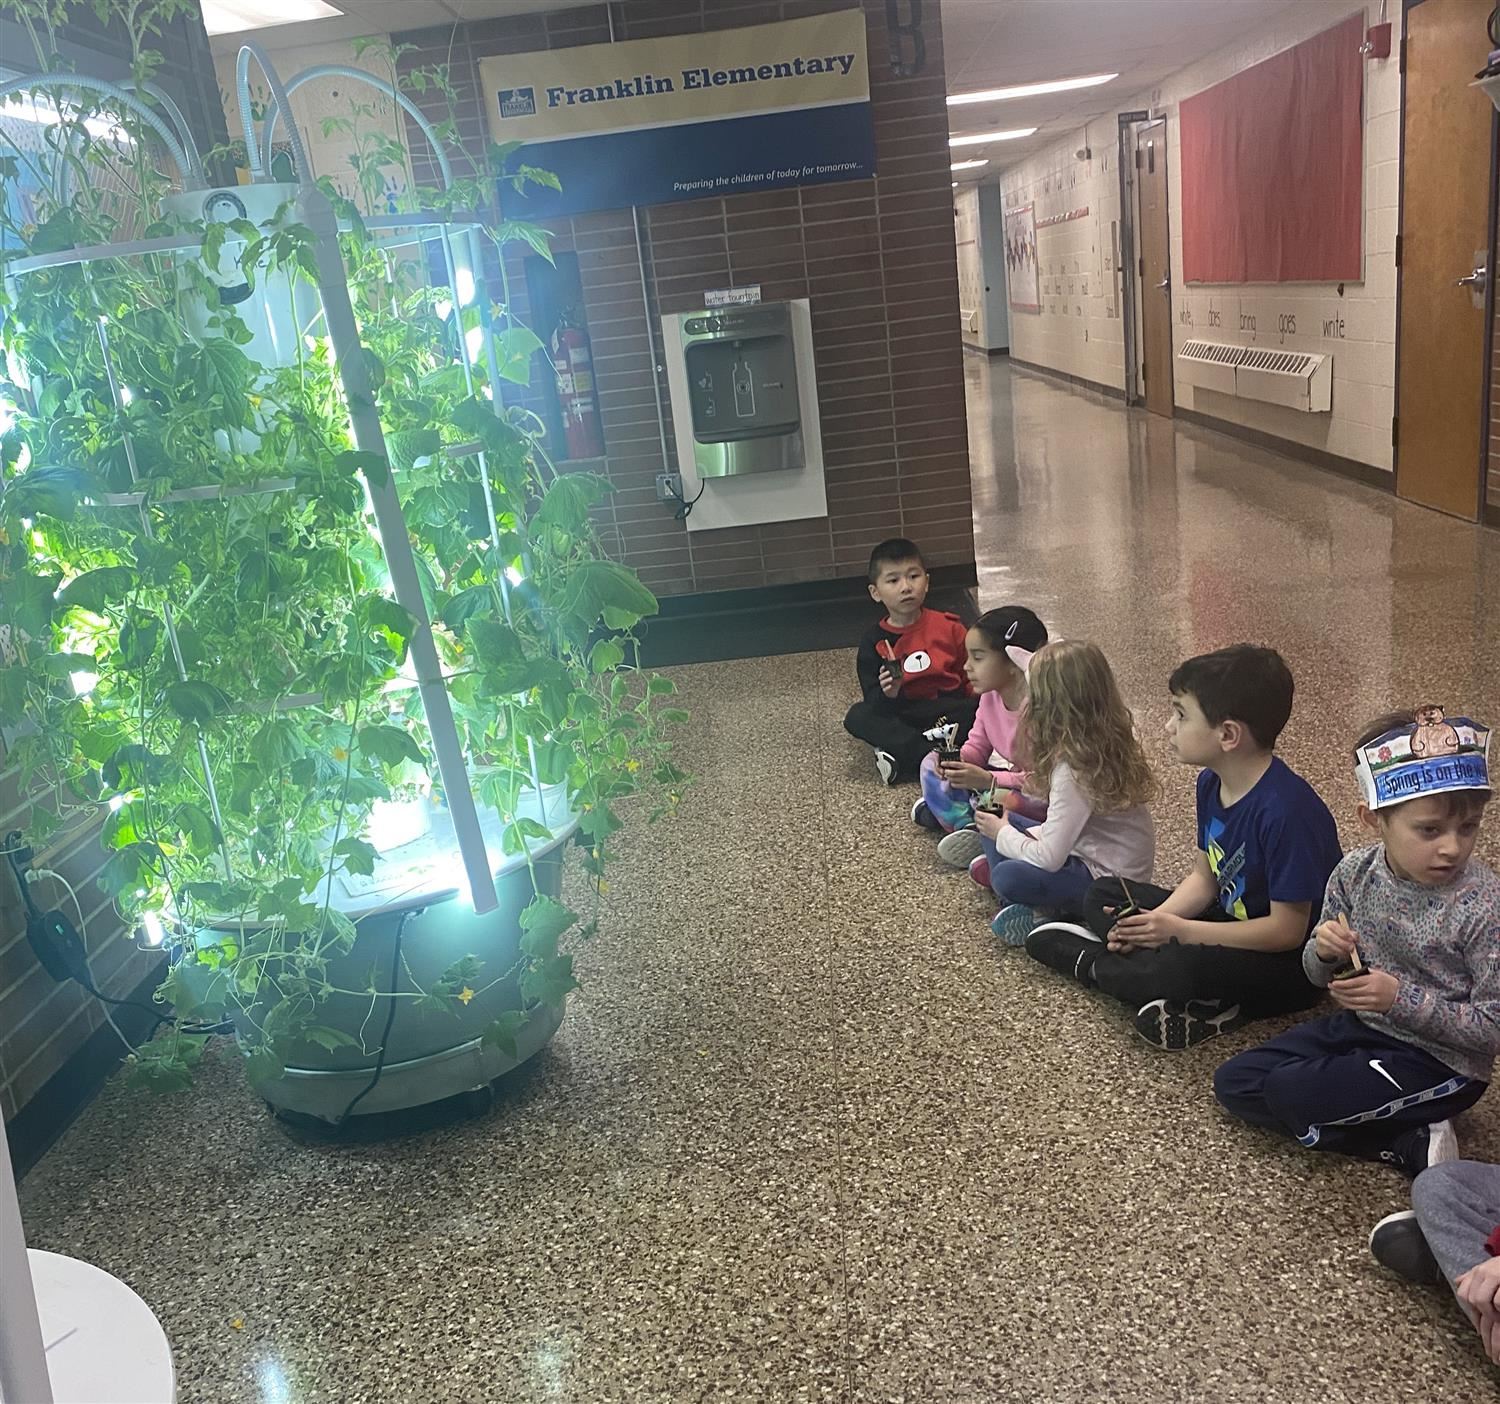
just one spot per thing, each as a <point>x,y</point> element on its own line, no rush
<point>669,487</point>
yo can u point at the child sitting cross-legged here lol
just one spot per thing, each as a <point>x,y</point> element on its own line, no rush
<point>1223,946</point>
<point>1084,758</point>
<point>1408,950</point>
<point>988,759</point>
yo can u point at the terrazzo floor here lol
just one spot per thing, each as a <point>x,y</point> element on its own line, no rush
<point>806,1134</point>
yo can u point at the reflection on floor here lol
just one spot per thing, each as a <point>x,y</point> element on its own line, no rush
<point>806,1133</point>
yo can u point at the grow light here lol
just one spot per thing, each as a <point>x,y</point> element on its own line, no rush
<point>153,932</point>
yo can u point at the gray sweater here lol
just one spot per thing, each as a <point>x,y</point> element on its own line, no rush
<point>1441,943</point>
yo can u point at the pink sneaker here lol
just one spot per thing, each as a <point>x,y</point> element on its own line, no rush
<point>979,870</point>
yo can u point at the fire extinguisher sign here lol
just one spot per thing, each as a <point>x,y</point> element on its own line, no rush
<point>690,116</point>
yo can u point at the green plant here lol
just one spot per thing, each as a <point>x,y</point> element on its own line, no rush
<point>205,647</point>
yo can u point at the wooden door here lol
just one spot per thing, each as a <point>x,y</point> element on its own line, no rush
<point>1445,204</point>
<point>1156,268</point>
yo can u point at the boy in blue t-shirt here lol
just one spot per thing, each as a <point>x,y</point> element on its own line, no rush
<point>1225,945</point>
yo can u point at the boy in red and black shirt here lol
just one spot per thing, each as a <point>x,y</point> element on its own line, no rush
<point>910,665</point>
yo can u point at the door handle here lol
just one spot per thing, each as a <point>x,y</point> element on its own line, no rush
<point>1478,280</point>
<point>1164,284</point>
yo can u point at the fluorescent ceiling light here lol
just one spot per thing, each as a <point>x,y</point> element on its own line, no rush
<point>981,138</point>
<point>233,16</point>
<point>966,165</point>
<point>1025,90</point>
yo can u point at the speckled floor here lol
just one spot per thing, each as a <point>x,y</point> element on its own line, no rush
<point>806,1133</point>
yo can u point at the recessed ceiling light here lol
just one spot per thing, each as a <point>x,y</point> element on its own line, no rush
<point>980,138</point>
<point>1025,90</point>
<point>966,165</point>
<point>234,16</point>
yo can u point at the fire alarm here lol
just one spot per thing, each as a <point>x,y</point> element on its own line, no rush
<point>1377,43</point>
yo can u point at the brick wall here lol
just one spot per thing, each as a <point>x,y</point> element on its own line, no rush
<point>875,257</point>
<point>42,1024</point>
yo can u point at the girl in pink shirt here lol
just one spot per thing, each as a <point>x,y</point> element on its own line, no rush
<point>988,760</point>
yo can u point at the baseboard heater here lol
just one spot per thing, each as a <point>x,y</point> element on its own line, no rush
<point>1297,379</point>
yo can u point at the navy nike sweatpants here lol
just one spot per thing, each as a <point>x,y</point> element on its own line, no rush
<point>1337,1084</point>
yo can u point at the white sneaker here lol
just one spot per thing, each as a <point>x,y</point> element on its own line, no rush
<point>1442,1143</point>
<point>885,763</point>
<point>960,848</point>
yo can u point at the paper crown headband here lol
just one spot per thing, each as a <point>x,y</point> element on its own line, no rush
<point>1432,756</point>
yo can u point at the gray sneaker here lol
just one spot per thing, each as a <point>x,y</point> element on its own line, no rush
<point>960,848</point>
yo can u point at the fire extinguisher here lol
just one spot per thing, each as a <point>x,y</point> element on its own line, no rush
<point>575,390</point>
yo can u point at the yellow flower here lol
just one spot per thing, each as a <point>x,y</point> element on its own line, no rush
<point>465,995</point>
<point>340,754</point>
<point>632,766</point>
<point>238,1323</point>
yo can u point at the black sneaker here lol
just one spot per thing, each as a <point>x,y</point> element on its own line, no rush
<point>1066,948</point>
<point>1172,1025</point>
<point>924,818</point>
<point>1398,1243</point>
<point>1421,1148</point>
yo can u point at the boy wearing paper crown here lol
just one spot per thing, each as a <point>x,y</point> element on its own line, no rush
<point>1409,947</point>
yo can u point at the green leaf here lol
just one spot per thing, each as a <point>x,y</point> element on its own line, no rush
<point>596,588</point>
<point>519,231</point>
<point>138,639</point>
<point>372,465</point>
<point>386,614</point>
<point>513,837</point>
<point>359,857</point>
<point>390,745</point>
<point>549,981</point>
<point>202,833</point>
<point>514,348</point>
<point>374,368</point>
<point>606,656</point>
<point>129,869</point>
<point>459,610</point>
<point>542,923</point>
<point>497,645</point>
<point>196,702</point>
<point>406,446</point>
<point>660,687</point>
<point>328,1038</point>
<point>222,371</point>
<point>567,502</point>
<point>54,491</point>
<point>28,602</point>
<point>130,766</point>
<point>96,588</point>
<point>502,1033</point>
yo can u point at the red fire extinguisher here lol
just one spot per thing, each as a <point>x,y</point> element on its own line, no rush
<point>575,391</point>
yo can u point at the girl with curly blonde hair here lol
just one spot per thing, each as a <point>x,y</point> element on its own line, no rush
<point>1085,759</point>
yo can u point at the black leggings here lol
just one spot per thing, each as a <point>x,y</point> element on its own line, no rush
<point>1262,983</point>
<point>896,725</point>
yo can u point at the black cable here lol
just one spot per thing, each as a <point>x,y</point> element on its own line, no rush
<point>685,507</point>
<point>156,1014</point>
<point>390,1019</point>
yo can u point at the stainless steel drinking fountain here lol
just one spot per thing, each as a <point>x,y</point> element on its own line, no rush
<point>742,390</point>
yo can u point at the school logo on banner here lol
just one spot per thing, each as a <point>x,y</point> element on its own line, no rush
<point>517,102</point>
<point>654,121</point>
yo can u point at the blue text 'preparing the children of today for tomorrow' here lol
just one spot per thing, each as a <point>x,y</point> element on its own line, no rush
<point>648,84</point>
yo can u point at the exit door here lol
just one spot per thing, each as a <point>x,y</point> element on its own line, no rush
<point>1156,267</point>
<point>1444,280</point>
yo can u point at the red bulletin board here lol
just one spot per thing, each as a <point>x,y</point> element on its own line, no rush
<point>1273,168</point>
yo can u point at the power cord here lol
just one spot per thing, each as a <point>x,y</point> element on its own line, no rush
<point>62,948</point>
<point>684,506</point>
<point>35,875</point>
<point>390,1020</point>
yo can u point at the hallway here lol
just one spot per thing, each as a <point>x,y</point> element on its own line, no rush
<point>807,1133</point>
